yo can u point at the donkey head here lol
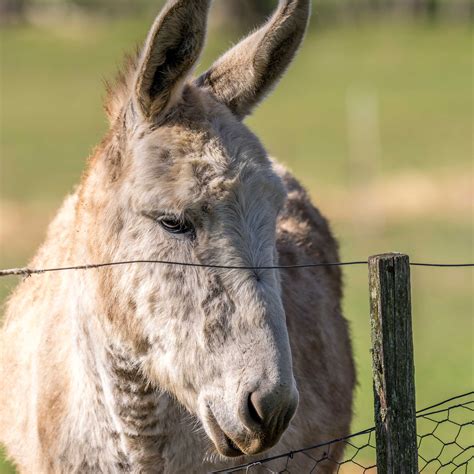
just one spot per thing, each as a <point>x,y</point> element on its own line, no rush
<point>180,178</point>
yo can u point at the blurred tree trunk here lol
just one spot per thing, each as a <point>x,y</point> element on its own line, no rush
<point>247,14</point>
<point>429,8</point>
<point>432,8</point>
<point>417,6</point>
<point>12,10</point>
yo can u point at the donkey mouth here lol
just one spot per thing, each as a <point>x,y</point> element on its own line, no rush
<point>231,449</point>
<point>224,444</point>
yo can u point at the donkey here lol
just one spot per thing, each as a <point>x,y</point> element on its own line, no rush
<point>146,367</point>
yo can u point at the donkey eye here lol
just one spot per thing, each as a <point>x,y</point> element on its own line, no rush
<point>174,225</point>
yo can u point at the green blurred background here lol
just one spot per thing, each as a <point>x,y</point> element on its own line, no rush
<point>375,117</point>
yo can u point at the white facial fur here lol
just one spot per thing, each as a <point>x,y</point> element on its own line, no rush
<point>212,336</point>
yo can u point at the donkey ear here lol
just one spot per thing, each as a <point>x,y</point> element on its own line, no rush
<point>244,75</point>
<point>173,46</point>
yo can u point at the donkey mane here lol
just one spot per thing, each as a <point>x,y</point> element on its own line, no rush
<point>118,88</point>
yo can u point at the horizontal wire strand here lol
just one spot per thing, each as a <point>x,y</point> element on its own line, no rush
<point>29,271</point>
<point>25,271</point>
<point>449,265</point>
<point>436,405</point>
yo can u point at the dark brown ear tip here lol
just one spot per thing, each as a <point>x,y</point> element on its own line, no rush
<point>204,80</point>
<point>246,74</point>
<point>173,45</point>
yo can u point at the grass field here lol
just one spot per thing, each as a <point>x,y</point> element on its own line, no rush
<point>375,119</point>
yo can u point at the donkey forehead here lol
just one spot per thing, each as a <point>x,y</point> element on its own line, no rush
<point>201,158</point>
<point>204,177</point>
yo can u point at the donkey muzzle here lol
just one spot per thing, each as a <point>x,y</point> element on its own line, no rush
<point>263,417</point>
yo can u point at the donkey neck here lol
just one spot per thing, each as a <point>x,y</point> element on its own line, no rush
<point>138,424</point>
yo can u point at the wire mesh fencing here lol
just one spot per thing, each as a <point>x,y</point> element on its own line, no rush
<point>358,449</point>
<point>446,436</point>
<point>445,445</point>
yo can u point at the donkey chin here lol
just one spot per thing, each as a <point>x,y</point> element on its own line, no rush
<point>252,422</point>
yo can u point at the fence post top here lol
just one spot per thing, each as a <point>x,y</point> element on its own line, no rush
<point>388,256</point>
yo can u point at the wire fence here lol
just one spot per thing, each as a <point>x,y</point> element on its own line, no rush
<point>446,436</point>
<point>444,432</point>
<point>445,445</point>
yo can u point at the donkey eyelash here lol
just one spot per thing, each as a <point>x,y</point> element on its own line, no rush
<point>156,215</point>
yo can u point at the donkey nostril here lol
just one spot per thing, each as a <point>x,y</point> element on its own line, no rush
<point>254,412</point>
<point>249,414</point>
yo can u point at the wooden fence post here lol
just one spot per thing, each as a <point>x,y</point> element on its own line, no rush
<point>392,364</point>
